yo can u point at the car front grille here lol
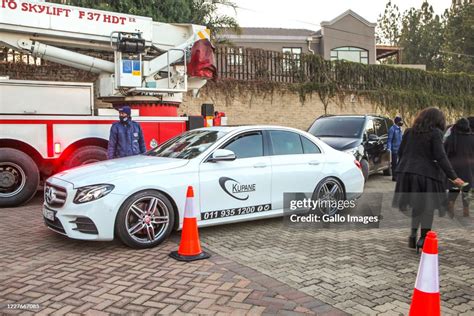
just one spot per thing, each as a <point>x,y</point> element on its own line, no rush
<point>54,195</point>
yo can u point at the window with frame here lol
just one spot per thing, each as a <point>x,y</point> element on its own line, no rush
<point>286,143</point>
<point>309,147</point>
<point>235,56</point>
<point>291,58</point>
<point>369,128</point>
<point>247,145</point>
<point>380,127</point>
<point>349,53</point>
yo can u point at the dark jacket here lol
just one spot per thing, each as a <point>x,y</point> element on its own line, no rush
<point>394,138</point>
<point>126,139</point>
<point>423,154</point>
<point>460,150</point>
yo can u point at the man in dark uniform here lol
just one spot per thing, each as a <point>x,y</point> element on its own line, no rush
<point>394,141</point>
<point>126,136</point>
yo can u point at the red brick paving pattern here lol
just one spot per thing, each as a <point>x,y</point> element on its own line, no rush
<point>72,277</point>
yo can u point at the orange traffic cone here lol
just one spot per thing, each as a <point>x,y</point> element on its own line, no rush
<point>189,247</point>
<point>426,297</point>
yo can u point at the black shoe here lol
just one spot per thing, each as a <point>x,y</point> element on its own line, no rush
<point>419,244</point>
<point>412,242</point>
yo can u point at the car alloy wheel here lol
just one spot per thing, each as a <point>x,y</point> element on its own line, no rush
<point>147,219</point>
<point>329,192</point>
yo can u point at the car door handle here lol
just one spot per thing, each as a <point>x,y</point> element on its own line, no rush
<point>314,163</point>
<point>260,165</point>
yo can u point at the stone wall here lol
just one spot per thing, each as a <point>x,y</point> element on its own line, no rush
<point>277,108</point>
<point>48,72</point>
<point>280,107</point>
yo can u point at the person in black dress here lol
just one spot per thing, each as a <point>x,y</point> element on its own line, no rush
<point>459,147</point>
<point>420,179</point>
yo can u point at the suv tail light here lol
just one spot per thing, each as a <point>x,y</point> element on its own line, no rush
<point>357,163</point>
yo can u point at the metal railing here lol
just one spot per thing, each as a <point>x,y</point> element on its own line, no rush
<point>240,63</point>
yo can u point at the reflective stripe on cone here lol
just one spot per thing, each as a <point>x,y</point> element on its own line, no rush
<point>426,297</point>
<point>189,247</point>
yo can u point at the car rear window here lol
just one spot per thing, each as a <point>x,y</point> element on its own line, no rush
<point>338,126</point>
<point>309,147</point>
<point>286,143</point>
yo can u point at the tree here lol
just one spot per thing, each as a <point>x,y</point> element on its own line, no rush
<point>421,37</point>
<point>458,47</point>
<point>202,12</point>
<point>418,31</point>
<point>205,12</point>
<point>389,25</point>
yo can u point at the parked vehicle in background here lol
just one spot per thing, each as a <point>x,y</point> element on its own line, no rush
<point>364,136</point>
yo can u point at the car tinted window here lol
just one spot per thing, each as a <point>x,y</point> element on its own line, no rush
<point>380,127</point>
<point>369,128</point>
<point>187,145</point>
<point>338,126</point>
<point>286,143</point>
<point>247,145</point>
<point>309,147</point>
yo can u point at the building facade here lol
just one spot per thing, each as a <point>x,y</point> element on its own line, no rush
<point>347,37</point>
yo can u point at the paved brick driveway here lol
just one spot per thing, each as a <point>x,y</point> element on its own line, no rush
<point>71,277</point>
<point>258,267</point>
<point>360,271</point>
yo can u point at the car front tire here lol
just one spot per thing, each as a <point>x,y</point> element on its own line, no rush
<point>145,219</point>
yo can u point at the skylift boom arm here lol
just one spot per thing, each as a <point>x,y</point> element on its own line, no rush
<point>50,31</point>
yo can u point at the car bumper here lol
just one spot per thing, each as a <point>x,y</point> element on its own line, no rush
<point>89,221</point>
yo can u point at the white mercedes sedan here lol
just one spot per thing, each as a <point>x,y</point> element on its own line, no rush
<point>238,174</point>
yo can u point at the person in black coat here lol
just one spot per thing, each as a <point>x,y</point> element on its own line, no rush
<point>420,178</point>
<point>459,147</point>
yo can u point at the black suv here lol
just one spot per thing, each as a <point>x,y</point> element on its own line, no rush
<point>365,136</point>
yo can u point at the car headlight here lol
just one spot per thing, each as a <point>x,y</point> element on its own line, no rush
<point>92,192</point>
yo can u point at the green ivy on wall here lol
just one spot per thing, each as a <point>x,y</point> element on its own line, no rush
<point>393,89</point>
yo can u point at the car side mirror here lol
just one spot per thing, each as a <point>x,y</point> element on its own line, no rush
<point>222,155</point>
<point>373,138</point>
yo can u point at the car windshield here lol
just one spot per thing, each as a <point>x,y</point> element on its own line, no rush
<point>337,126</point>
<point>187,145</point>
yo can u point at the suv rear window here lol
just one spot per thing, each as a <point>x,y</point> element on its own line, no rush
<point>338,126</point>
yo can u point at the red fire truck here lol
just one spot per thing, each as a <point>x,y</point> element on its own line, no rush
<point>49,126</point>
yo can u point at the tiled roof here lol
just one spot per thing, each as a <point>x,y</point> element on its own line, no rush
<point>270,31</point>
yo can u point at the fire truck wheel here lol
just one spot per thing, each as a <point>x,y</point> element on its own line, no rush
<point>145,219</point>
<point>19,177</point>
<point>85,155</point>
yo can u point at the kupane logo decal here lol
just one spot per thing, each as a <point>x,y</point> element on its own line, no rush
<point>235,189</point>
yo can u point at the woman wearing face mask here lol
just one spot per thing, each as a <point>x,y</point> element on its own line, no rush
<point>394,141</point>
